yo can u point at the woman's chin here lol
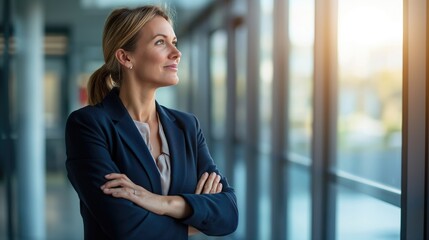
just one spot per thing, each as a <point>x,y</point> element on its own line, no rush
<point>169,82</point>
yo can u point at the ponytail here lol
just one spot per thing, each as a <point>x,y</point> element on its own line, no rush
<point>99,85</point>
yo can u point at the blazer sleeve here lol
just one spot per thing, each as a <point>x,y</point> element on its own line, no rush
<point>213,214</point>
<point>88,161</point>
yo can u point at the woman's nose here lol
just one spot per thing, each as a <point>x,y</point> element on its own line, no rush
<point>175,53</point>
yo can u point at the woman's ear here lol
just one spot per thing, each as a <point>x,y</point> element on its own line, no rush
<point>124,58</point>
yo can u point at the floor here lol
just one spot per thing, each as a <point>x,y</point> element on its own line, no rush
<point>63,219</point>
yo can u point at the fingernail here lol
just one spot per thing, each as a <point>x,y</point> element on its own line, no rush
<point>102,187</point>
<point>107,175</point>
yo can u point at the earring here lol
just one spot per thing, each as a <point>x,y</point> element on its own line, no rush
<point>131,67</point>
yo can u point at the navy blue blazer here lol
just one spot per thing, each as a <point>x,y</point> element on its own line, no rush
<point>103,139</point>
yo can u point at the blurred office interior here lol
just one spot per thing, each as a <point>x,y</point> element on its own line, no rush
<point>315,110</point>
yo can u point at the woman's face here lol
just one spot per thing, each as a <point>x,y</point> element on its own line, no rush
<point>156,58</point>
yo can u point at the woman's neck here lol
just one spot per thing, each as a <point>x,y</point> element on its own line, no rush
<point>140,103</point>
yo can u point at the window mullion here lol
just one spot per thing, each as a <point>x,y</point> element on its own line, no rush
<point>415,122</point>
<point>324,120</point>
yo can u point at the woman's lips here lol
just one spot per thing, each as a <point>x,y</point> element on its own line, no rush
<point>172,67</point>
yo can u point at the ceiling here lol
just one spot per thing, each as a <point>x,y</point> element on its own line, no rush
<point>182,4</point>
<point>184,10</point>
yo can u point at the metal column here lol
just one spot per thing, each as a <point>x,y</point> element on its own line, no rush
<point>415,165</point>
<point>5,124</point>
<point>252,128</point>
<point>279,120</point>
<point>30,122</point>
<point>324,121</point>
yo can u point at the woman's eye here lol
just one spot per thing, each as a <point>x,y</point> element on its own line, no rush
<point>159,42</point>
<point>175,43</point>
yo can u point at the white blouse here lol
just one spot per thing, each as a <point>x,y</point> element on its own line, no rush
<point>163,160</point>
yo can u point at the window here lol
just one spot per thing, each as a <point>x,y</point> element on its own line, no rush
<point>183,88</point>
<point>241,56</point>
<point>266,74</point>
<point>300,109</point>
<point>265,114</point>
<point>369,120</point>
<point>301,38</point>
<point>218,41</point>
<point>370,89</point>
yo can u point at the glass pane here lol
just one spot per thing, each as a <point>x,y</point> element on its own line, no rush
<point>240,182</point>
<point>301,37</point>
<point>299,202</point>
<point>198,88</point>
<point>266,74</point>
<point>370,89</point>
<point>183,87</point>
<point>265,114</point>
<point>52,100</point>
<point>218,45</point>
<point>301,42</point>
<point>53,119</point>
<point>360,216</point>
<point>263,195</point>
<point>241,56</point>
<point>167,97</point>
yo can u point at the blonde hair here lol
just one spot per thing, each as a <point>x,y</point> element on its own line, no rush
<point>121,30</point>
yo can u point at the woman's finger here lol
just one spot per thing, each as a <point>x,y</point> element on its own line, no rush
<point>209,183</point>
<point>201,183</point>
<point>118,182</point>
<point>126,193</point>
<point>115,183</point>
<point>219,188</point>
<point>215,184</point>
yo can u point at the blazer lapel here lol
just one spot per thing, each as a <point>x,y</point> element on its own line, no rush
<point>130,135</point>
<point>176,145</point>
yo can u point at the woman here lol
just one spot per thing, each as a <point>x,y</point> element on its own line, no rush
<point>141,170</point>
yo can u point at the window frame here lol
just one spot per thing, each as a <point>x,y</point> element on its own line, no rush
<point>415,179</point>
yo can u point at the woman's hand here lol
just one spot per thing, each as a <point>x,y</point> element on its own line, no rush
<point>208,184</point>
<point>120,186</point>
